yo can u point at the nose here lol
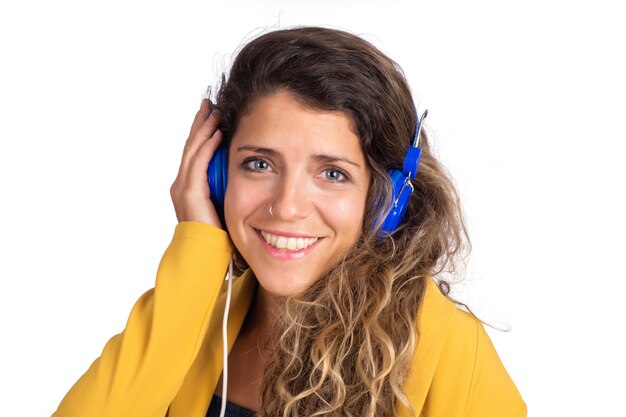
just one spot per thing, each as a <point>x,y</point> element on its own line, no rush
<point>292,200</point>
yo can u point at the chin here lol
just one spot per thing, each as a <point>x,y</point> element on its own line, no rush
<point>284,286</point>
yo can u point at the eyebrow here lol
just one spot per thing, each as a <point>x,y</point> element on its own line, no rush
<point>319,157</point>
<point>330,159</point>
<point>265,151</point>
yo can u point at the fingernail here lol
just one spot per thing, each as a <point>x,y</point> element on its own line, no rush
<point>206,94</point>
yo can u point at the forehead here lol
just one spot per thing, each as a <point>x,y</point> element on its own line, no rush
<point>281,122</point>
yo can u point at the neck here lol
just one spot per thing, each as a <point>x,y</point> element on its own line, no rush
<point>262,314</point>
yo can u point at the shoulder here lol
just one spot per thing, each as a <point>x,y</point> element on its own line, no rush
<point>457,359</point>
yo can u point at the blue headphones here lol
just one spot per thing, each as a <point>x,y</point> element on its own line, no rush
<point>217,175</point>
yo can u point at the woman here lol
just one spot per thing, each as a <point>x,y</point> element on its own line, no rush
<point>334,314</point>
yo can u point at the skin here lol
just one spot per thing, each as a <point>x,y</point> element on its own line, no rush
<point>309,167</point>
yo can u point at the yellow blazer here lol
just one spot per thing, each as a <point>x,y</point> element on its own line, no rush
<point>168,359</point>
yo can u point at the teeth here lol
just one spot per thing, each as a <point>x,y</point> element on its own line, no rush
<point>288,243</point>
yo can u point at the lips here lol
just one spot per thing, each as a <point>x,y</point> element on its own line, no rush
<point>288,243</point>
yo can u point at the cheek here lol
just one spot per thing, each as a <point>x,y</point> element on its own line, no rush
<point>347,217</point>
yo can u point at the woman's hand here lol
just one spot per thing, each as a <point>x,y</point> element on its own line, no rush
<point>190,190</point>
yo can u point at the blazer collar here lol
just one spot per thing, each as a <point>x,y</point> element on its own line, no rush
<point>434,321</point>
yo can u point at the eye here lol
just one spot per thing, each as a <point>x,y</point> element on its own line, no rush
<point>255,164</point>
<point>336,175</point>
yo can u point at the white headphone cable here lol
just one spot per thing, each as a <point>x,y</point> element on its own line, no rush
<point>229,278</point>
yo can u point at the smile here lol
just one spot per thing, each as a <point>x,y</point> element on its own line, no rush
<point>287,243</point>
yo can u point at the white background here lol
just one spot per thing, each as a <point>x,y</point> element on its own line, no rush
<point>526,107</point>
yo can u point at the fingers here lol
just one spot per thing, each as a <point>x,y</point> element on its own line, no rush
<point>203,129</point>
<point>190,191</point>
<point>201,115</point>
<point>199,163</point>
<point>200,147</point>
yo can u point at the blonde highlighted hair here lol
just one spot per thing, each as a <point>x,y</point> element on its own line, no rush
<point>346,344</point>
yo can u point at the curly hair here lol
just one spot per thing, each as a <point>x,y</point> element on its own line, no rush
<point>345,345</point>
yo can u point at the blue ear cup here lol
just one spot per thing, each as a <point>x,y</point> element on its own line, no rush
<point>217,175</point>
<point>401,183</point>
<point>402,190</point>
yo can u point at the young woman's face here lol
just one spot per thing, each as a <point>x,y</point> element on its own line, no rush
<point>297,185</point>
